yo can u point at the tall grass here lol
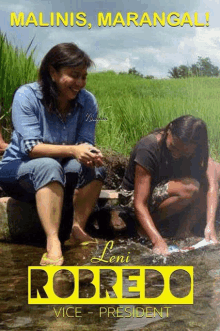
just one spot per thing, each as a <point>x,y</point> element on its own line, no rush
<point>135,106</point>
<point>17,67</point>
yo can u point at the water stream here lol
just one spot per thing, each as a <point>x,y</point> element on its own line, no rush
<point>204,314</point>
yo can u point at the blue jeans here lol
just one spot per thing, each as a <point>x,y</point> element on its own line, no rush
<point>21,179</point>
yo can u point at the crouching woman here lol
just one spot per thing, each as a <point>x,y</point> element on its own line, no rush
<point>171,174</point>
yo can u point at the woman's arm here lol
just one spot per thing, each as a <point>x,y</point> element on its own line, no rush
<point>212,201</point>
<point>81,152</point>
<point>25,116</point>
<point>141,196</point>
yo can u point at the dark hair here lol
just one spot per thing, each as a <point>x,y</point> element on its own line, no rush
<point>61,55</point>
<point>190,130</point>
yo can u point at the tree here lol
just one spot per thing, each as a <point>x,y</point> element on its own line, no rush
<point>133,71</point>
<point>206,68</point>
<point>183,71</point>
<point>203,67</point>
<point>194,70</point>
<point>174,72</point>
<point>149,77</point>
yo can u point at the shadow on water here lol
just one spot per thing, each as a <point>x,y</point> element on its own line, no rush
<point>204,314</point>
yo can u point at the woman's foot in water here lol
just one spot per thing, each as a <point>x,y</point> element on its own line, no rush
<point>78,236</point>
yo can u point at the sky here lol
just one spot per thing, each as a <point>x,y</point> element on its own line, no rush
<point>152,50</point>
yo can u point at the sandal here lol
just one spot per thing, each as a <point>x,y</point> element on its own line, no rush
<point>91,242</point>
<point>46,261</point>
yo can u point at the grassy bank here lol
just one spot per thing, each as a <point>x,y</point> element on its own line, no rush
<point>134,106</point>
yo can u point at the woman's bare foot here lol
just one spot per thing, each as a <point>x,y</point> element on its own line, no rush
<point>79,236</point>
<point>53,256</point>
<point>46,261</point>
<point>54,251</point>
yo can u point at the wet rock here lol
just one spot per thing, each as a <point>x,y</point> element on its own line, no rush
<point>10,307</point>
<point>19,322</point>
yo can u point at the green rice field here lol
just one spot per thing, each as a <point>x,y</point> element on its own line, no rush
<point>134,106</point>
<point>129,106</point>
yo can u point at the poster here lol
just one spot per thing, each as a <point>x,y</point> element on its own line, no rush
<point>151,38</point>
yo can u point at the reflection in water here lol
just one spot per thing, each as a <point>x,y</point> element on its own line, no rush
<point>204,314</point>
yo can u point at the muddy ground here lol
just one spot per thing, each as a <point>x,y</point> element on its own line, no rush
<point>115,166</point>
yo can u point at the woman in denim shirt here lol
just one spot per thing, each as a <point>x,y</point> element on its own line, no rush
<point>51,150</point>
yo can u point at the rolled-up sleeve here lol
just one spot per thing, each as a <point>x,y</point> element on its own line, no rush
<point>25,114</point>
<point>29,144</point>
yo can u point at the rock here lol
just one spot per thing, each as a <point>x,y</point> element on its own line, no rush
<point>4,228</point>
<point>19,222</point>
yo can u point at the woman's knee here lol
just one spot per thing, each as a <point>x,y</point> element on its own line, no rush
<point>78,175</point>
<point>100,173</point>
<point>191,188</point>
<point>47,170</point>
<point>186,188</point>
<point>72,166</point>
<point>87,175</point>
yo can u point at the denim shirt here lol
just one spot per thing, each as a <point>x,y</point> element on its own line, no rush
<point>31,121</point>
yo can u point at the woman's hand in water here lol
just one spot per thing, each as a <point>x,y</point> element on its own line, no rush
<point>210,233</point>
<point>161,248</point>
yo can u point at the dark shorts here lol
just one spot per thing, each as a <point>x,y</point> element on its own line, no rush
<point>159,194</point>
